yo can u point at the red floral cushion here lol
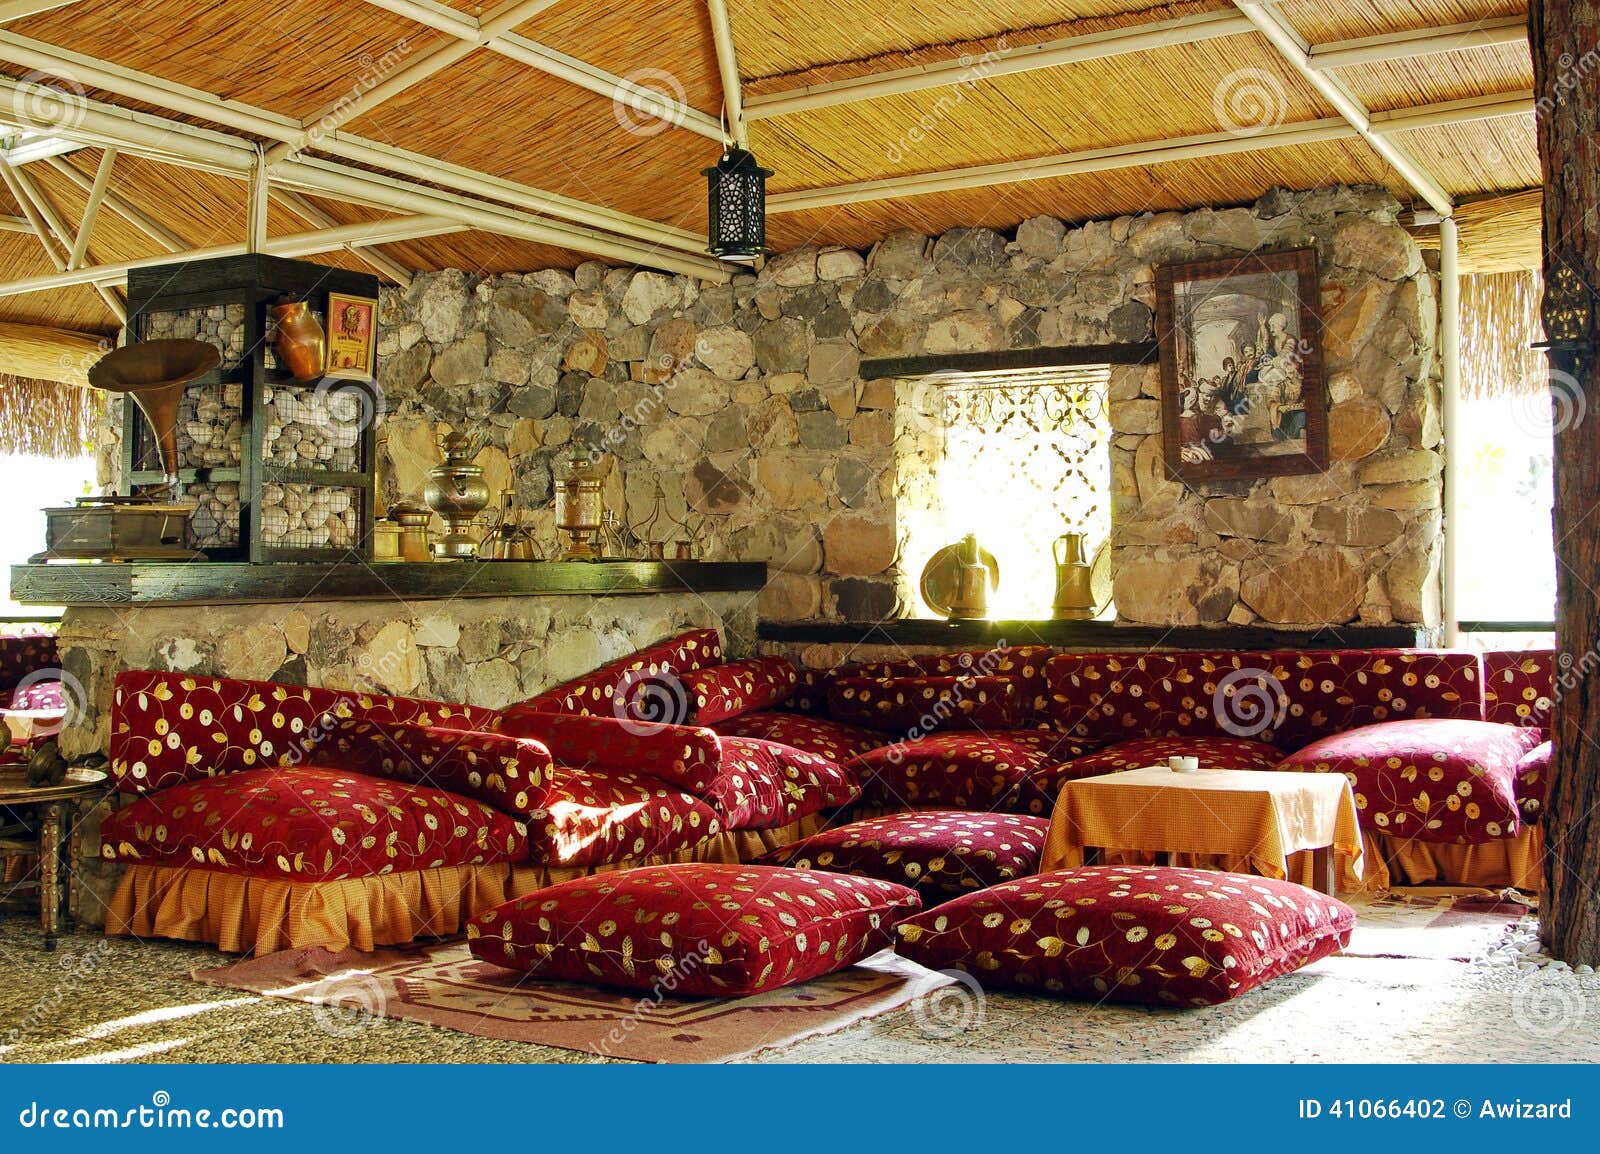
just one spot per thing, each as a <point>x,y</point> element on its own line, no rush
<point>1038,793</point>
<point>1533,781</point>
<point>511,774</point>
<point>601,817</point>
<point>719,692</point>
<point>915,706</point>
<point>168,728</point>
<point>717,931</point>
<point>309,824</point>
<point>1285,698</point>
<point>940,852</point>
<point>681,755</point>
<point>830,739</point>
<point>644,686</point>
<point>1023,664</point>
<point>810,694</point>
<point>765,785</point>
<point>1519,687</point>
<point>1105,933</point>
<point>1432,780</point>
<point>957,770</point>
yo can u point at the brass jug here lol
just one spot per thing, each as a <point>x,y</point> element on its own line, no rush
<point>1075,599</point>
<point>971,599</point>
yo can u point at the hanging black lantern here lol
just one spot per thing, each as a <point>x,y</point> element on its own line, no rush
<point>737,207</point>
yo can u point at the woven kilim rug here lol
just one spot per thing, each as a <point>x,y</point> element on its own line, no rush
<point>444,985</point>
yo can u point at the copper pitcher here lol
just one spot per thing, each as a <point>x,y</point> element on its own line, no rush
<point>301,344</point>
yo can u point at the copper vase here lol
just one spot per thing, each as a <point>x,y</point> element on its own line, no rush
<point>301,344</point>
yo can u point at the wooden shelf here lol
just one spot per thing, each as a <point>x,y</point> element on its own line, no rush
<point>1093,635</point>
<point>230,582</point>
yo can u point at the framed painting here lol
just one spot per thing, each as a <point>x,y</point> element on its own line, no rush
<point>1242,392</point>
<point>352,336</point>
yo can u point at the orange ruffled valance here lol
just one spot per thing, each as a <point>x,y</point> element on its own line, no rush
<point>261,915</point>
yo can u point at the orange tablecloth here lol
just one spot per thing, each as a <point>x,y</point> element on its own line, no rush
<point>1261,815</point>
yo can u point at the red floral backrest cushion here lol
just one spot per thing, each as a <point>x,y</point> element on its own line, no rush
<point>720,692</point>
<point>1519,687</point>
<point>25,653</point>
<point>914,706</point>
<point>645,685</point>
<point>1023,664</point>
<point>810,694</point>
<point>686,756</point>
<point>168,728</point>
<point>1287,698</point>
<point>511,774</point>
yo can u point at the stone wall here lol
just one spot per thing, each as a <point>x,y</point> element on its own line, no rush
<point>738,416</point>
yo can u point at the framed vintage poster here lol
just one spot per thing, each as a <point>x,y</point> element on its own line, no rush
<point>1242,393</point>
<point>352,336</point>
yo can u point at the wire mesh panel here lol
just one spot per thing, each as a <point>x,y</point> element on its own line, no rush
<point>295,516</point>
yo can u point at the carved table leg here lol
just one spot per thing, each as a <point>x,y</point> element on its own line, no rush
<point>52,820</point>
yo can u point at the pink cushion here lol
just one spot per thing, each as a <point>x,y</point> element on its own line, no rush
<point>1038,792</point>
<point>603,817</point>
<point>1106,933</point>
<point>939,852</point>
<point>765,785</point>
<point>511,774</point>
<point>914,706</point>
<point>955,770</point>
<point>831,739</point>
<point>718,931</point>
<point>644,686</point>
<point>309,823</point>
<point>1431,780</point>
<point>719,692</point>
<point>1519,687</point>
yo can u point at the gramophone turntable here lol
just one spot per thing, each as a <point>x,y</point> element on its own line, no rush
<point>152,525</point>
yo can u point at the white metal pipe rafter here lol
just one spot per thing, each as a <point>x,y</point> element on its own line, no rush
<point>135,216</point>
<point>91,209</point>
<point>728,69</point>
<point>1271,24</point>
<point>1421,42</point>
<point>42,219</point>
<point>311,214</point>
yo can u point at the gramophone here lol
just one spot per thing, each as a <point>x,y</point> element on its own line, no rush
<point>151,526</point>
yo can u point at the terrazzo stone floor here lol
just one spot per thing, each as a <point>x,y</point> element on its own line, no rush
<point>102,999</point>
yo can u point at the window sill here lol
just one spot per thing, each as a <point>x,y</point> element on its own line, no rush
<point>1094,635</point>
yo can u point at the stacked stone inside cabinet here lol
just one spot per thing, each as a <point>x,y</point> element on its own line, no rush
<point>278,469</point>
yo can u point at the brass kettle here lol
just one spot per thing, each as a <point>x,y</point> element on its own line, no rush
<point>1075,599</point>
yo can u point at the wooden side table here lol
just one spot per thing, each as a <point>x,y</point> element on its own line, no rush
<point>39,821</point>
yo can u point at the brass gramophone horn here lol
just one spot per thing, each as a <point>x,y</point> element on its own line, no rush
<point>154,373</point>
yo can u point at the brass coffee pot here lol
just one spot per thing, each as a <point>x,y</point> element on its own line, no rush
<point>971,599</point>
<point>1075,599</point>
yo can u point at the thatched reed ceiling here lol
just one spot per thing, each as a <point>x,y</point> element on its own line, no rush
<point>500,116</point>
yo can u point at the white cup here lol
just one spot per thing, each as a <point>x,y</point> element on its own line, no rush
<point>1183,764</point>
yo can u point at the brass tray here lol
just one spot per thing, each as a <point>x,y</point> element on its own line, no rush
<point>938,583</point>
<point>1100,577</point>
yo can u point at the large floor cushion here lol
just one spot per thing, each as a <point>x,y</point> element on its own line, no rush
<point>1430,779</point>
<point>1533,781</point>
<point>601,816</point>
<point>1106,933</point>
<point>1023,665</point>
<point>956,770</point>
<point>765,784</point>
<point>941,853</point>
<point>1519,687</point>
<point>718,692</point>
<point>310,824</point>
<point>912,706</point>
<point>817,735</point>
<point>644,686</point>
<point>701,930</point>
<point>1037,794</point>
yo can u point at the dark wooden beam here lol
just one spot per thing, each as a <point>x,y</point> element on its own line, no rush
<point>1564,36</point>
<point>1134,353</point>
<point>1092,635</point>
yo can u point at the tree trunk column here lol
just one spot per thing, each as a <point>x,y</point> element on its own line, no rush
<point>1565,38</point>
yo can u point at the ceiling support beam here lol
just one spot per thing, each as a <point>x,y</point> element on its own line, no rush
<point>291,245</point>
<point>728,66</point>
<point>558,64</point>
<point>311,214</point>
<point>1295,51</point>
<point>21,9</point>
<point>1420,42</point>
<point>255,216</point>
<point>40,212</point>
<point>91,208</point>
<point>1028,58</point>
<point>104,123</point>
<point>1148,152</point>
<point>152,228</point>
<point>429,62</point>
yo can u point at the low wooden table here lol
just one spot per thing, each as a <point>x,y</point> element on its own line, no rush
<point>1261,815</point>
<point>38,820</point>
